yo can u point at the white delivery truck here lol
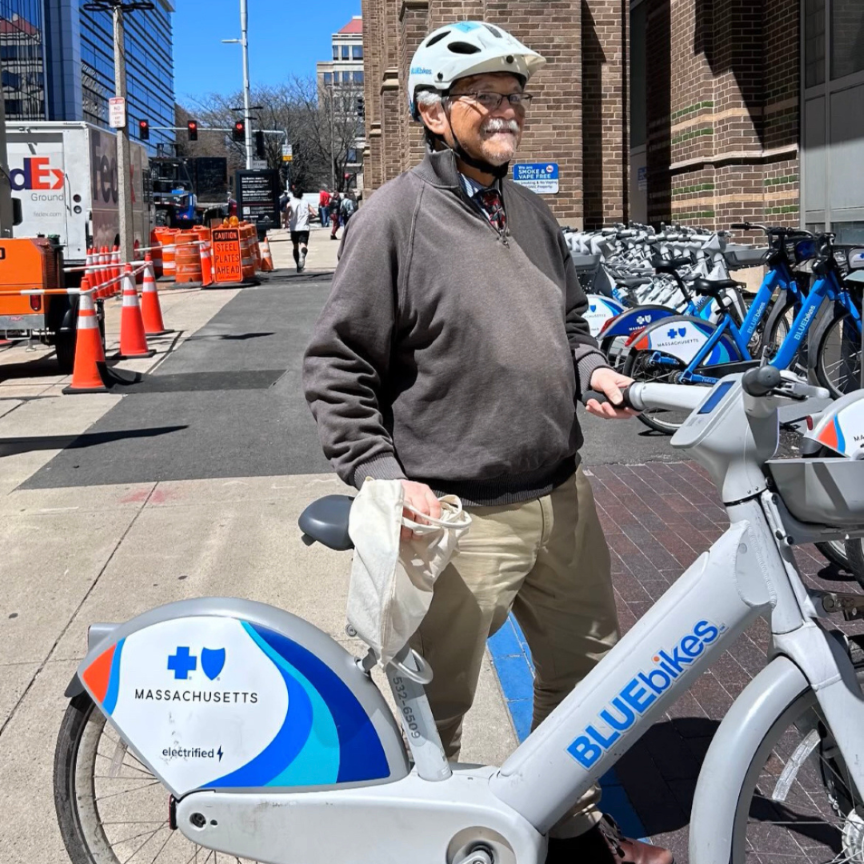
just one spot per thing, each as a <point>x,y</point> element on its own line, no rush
<point>66,177</point>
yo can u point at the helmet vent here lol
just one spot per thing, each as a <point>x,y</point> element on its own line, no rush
<point>493,31</point>
<point>437,38</point>
<point>463,48</point>
<point>510,58</point>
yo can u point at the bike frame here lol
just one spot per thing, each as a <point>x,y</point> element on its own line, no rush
<point>777,277</point>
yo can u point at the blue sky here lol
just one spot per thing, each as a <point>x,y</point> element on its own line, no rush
<point>286,37</point>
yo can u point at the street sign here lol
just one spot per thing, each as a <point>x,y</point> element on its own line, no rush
<point>287,153</point>
<point>227,263</point>
<point>539,177</point>
<point>259,164</point>
<point>117,112</point>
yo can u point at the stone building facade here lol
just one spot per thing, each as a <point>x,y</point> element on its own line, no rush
<point>702,112</point>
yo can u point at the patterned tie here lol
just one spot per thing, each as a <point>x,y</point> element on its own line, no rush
<point>493,207</point>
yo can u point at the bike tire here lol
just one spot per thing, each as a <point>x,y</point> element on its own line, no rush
<point>635,368</point>
<point>838,369</point>
<point>84,831</point>
<point>798,760</point>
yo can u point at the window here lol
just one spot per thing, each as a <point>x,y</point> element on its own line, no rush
<point>638,77</point>
<point>346,52</point>
<point>356,52</point>
<point>335,52</point>
<point>358,77</point>
<point>328,79</point>
<point>814,42</point>
<point>352,155</point>
<point>847,38</point>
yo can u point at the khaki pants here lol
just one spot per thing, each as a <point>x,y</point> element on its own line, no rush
<point>547,560</point>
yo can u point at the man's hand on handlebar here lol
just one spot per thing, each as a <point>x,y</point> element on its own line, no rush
<point>421,498</point>
<point>609,383</point>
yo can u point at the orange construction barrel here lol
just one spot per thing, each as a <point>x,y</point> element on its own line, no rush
<point>166,239</point>
<point>188,257</point>
<point>155,253</point>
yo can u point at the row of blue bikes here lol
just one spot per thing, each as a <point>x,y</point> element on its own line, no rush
<point>665,307</point>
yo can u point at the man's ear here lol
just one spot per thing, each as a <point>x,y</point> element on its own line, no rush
<point>434,117</point>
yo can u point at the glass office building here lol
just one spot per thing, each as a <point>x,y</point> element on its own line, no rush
<point>58,63</point>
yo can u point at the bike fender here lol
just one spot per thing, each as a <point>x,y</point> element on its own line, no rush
<point>200,691</point>
<point>631,320</point>
<point>682,337</point>
<point>730,755</point>
<point>96,633</point>
<point>600,310</point>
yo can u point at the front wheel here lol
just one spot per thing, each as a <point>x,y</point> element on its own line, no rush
<point>640,366</point>
<point>798,801</point>
<point>838,359</point>
<point>110,807</point>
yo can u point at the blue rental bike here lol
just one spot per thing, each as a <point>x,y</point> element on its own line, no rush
<point>685,349</point>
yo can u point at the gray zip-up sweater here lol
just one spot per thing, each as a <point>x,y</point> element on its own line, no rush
<point>447,352</point>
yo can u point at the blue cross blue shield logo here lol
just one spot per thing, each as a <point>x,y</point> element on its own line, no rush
<point>212,661</point>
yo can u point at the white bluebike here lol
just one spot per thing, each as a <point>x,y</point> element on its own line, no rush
<point>226,730</point>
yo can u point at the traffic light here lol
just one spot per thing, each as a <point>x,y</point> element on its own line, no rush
<point>143,130</point>
<point>361,107</point>
<point>192,128</point>
<point>259,145</point>
<point>238,133</point>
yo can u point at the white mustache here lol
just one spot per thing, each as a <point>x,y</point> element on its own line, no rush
<point>498,124</point>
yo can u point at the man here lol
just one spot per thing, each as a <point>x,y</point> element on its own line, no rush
<point>284,198</point>
<point>323,207</point>
<point>335,214</point>
<point>298,224</point>
<point>449,356</point>
<point>347,209</point>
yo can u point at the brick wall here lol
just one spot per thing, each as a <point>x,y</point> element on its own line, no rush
<point>723,111</point>
<point>557,29</point>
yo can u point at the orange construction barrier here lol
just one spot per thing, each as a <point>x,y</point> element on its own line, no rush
<point>156,253</point>
<point>206,264</point>
<point>247,253</point>
<point>102,273</point>
<point>188,258</point>
<point>166,239</point>
<point>266,257</point>
<point>116,265</point>
<point>133,342</point>
<point>89,353</point>
<point>151,311</point>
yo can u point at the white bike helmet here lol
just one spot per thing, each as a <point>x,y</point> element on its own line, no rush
<point>467,48</point>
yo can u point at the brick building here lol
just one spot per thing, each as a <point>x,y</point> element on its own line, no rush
<point>699,111</point>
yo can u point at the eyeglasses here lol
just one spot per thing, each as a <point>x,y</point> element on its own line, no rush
<point>490,101</point>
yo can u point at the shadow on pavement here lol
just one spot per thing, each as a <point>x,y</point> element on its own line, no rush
<point>233,336</point>
<point>12,446</point>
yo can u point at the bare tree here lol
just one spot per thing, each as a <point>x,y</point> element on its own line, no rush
<point>321,126</point>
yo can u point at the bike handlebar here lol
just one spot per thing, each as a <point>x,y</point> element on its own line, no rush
<point>761,381</point>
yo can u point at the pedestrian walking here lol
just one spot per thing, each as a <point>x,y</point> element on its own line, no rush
<point>347,208</point>
<point>324,207</point>
<point>335,214</point>
<point>283,207</point>
<point>460,378</point>
<point>299,213</point>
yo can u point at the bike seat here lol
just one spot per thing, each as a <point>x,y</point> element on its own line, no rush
<point>326,521</point>
<point>633,281</point>
<point>713,287</point>
<point>662,265</point>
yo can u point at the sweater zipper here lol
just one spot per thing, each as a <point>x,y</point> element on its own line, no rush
<point>478,211</point>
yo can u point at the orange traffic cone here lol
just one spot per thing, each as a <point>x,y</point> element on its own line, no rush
<point>151,311</point>
<point>116,270</point>
<point>266,257</point>
<point>133,342</point>
<point>206,264</point>
<point>87,372</point>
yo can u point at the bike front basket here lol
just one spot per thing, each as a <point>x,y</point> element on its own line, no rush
<point>823,491</point>
<point>738,256</point>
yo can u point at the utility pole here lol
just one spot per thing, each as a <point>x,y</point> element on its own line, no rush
<point>6,213</point>
<point>124,162</point>
<point>244,41</point>
<point>332,148</point>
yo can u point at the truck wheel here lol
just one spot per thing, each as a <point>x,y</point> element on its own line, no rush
<point>64,345</point>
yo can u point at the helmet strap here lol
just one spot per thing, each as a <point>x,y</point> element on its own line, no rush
<point>497,171</point>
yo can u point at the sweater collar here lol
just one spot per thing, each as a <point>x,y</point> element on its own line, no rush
<point>440,169</point>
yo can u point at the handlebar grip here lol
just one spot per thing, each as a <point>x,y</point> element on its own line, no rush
<point>740,226</point>
<point>603,398</point>
<point>761,381</point>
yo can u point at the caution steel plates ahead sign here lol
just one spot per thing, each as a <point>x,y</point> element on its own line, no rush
<point>227,263</point>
